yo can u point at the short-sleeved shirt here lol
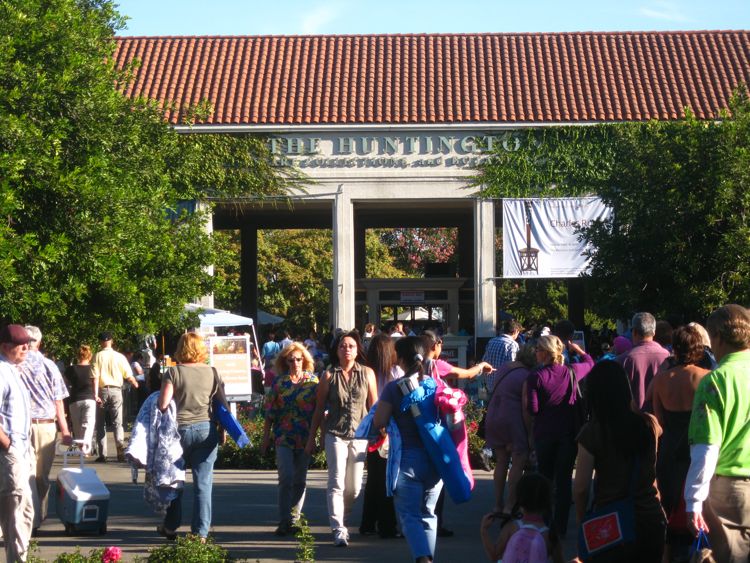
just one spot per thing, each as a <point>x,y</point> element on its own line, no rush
<point>405,422</point>
<point>111,368</point>
<point>614,470</point>
<point>15,405</point>
<point>500,350</point>
<point>81,380</point>
<point>44,383</point>
<point>721,411</point>
<point>290,407</point>
<point>194,387</point>
<point>641,364</point>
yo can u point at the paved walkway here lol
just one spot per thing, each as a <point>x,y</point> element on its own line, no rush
<point>245,516</point>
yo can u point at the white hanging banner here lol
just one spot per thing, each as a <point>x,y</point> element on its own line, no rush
<point>540,239</point>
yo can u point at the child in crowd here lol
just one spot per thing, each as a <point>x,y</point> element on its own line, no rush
<point>525,535</point>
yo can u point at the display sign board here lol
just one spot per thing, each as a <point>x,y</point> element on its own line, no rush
<point>231,356</point>
<point>412,297</point>
<point>541,239</point>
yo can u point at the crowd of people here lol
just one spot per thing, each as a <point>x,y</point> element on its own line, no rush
<point>655,424</point>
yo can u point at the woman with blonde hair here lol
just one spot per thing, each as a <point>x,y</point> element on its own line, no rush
<point>550,400</point>
<point>193,384</point>
<point>82,400</point>
<point>289,407</point>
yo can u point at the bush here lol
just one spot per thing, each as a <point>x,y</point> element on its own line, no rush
<point>232,457</point>
<point>188,549</point>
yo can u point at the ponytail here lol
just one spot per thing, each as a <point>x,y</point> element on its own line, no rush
<point>410,351</point>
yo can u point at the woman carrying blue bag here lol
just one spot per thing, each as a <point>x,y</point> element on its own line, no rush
<point>418,486</point>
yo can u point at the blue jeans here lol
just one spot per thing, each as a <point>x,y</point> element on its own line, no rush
<point>417,492</point>
<point>199,443</point>
<point>292,468</point>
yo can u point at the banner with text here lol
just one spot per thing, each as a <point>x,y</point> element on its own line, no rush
<point>540,239</point>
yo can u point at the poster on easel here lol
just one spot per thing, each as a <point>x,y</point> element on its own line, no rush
<point>231,356</point>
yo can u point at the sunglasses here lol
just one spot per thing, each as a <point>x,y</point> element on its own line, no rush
<point>293,359</point>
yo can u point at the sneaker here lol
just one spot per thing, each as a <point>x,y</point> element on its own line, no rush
<point>101,459</point>
<point>340,538</point>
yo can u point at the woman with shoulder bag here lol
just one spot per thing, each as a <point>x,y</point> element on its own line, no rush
<point>508,426</point>
<point>619,443</point>
<point>551,402</point>
<point>347,391</point>
<point>193,384</point>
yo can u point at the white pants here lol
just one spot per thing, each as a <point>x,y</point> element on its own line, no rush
<point>346,463</point>
<point>16,506</point>
<point>83,416</point>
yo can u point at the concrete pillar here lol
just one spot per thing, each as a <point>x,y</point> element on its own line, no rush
<point>342,292</point>
<point>360,252</point>
<point>208,225</point>
<point>485,297</point>
<point>249,271</point>
<point>465,244</point>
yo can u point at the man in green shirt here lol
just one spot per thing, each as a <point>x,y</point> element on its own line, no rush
<point>717,488</point>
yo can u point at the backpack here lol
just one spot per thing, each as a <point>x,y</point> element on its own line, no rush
<point>526,545</point>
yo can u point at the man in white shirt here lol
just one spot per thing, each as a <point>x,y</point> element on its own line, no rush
<point>16,456</point>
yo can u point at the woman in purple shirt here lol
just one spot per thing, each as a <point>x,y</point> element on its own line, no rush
<point>550,402</point>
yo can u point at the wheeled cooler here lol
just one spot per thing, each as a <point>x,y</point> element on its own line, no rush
<point>82,498</point>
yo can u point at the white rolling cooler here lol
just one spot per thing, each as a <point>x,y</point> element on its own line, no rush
<point>82,498</point>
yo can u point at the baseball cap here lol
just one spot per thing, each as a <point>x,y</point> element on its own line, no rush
<point>14,334</point>
<point>104,336</point>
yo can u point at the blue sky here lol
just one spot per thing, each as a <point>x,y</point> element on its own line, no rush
<point>291,17</point>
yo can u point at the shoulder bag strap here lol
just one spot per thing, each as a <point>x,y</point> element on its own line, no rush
<point>216,388</point>
<point>499,381</point>
<point>575,390</point>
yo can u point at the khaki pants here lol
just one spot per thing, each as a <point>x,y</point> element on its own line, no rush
<point>16,506</point>
<point>730,502</point>
<point>43,441</point>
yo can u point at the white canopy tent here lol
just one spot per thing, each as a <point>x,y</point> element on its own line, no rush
<point>211,318</point>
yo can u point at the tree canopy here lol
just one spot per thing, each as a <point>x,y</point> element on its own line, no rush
<point>678,243</point>
<point>293,268</point>
<point>96,188</point>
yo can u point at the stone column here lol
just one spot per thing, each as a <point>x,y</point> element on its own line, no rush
<point>208,226</point>
<point>249,271</point>
<point>485,297</point>
<point>342,292</point>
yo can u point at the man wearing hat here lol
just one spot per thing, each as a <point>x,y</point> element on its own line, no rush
<point>16,456</point>
<point>109,370</point>
<point>47,390</point>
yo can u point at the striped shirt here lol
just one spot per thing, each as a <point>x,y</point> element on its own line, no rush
<point>15,406</point>
<point>45,384</point>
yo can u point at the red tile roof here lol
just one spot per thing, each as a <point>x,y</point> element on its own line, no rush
<point>426,79</point>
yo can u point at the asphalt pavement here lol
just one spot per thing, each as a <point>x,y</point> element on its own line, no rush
<point>245,517</point>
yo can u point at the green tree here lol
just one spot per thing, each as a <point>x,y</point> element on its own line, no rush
<point>413,248</point>
<point>294,266</point>
<point>678,243</point>
<point>95,186</point>
<point>679,240</point>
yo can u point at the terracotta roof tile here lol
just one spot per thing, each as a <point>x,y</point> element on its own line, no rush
<point>436,78</point>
